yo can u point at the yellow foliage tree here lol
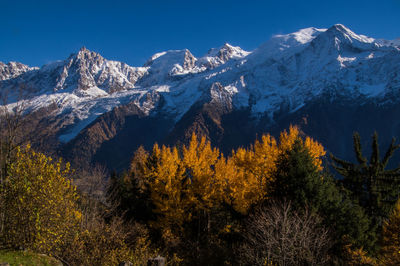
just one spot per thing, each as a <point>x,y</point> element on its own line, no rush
<point>183,184</point>
<point>198,160</point>
<point>390,252</point>
<point>187,188</point>
<point>39,200</point>
<point>166,179</point>
<point>252,169</point>
<point>359,257</point>
<point>192,182</point>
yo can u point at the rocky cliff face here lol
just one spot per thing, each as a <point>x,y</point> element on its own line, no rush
<point>106,107</point>
<point>82,71</point>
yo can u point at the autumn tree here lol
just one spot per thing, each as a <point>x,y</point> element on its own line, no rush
<point>356,256</point>
<point>197,197</point>
<point>184,188</point>
<point>390,251</point>
<point>180,192</point>
<point>41,211</point>
<point>252,171</point>
<point>189,182</point>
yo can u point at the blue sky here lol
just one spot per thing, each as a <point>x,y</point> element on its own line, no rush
<point>39,32</point>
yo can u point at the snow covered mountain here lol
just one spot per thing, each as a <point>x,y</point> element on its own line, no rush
<point>13,70</point>
<point>281,78</point>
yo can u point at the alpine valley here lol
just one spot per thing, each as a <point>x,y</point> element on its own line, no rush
<point>330,82</point>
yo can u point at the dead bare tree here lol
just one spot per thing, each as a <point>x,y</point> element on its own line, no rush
<point>277,234</point>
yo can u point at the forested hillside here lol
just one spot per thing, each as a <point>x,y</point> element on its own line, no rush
<point>274,202</point>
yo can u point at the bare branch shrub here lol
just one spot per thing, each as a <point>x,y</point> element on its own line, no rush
<point>108,243</point>
<point>279,235</point>
<point>104,238</point>
<point>92,183</point>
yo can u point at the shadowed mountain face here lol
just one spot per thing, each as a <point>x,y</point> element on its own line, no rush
<point>331,82</point>
<point>330,122</point>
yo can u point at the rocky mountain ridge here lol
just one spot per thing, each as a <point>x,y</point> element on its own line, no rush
<point>261,88</point>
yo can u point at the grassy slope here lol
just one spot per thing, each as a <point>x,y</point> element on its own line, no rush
<point>26,258</point>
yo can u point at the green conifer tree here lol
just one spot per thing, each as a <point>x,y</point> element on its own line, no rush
<point>298,179</point>
<point>371,184</point>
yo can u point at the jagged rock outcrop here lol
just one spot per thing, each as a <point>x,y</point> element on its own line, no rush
<point>13,70</point>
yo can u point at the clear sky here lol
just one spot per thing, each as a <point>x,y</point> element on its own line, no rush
<point>37,32</point>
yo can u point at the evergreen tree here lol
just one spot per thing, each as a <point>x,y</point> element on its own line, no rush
<point>299,180</point>
<point>129,191</point>
<point>375,188</point>
<point>251,170</point>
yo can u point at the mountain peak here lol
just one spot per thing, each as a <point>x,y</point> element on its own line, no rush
<point>13,69</point>
<point>341,27</point>
<point>219,56</point>
<point>85,53</point>
<point>227,45</point>
<point>282,45</point>
<point>300,37</point>
<point>168,59</point>
<point>345,34</point>
<point>226,52</point>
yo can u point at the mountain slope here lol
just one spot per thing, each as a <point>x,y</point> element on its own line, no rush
<point>104,107</point>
